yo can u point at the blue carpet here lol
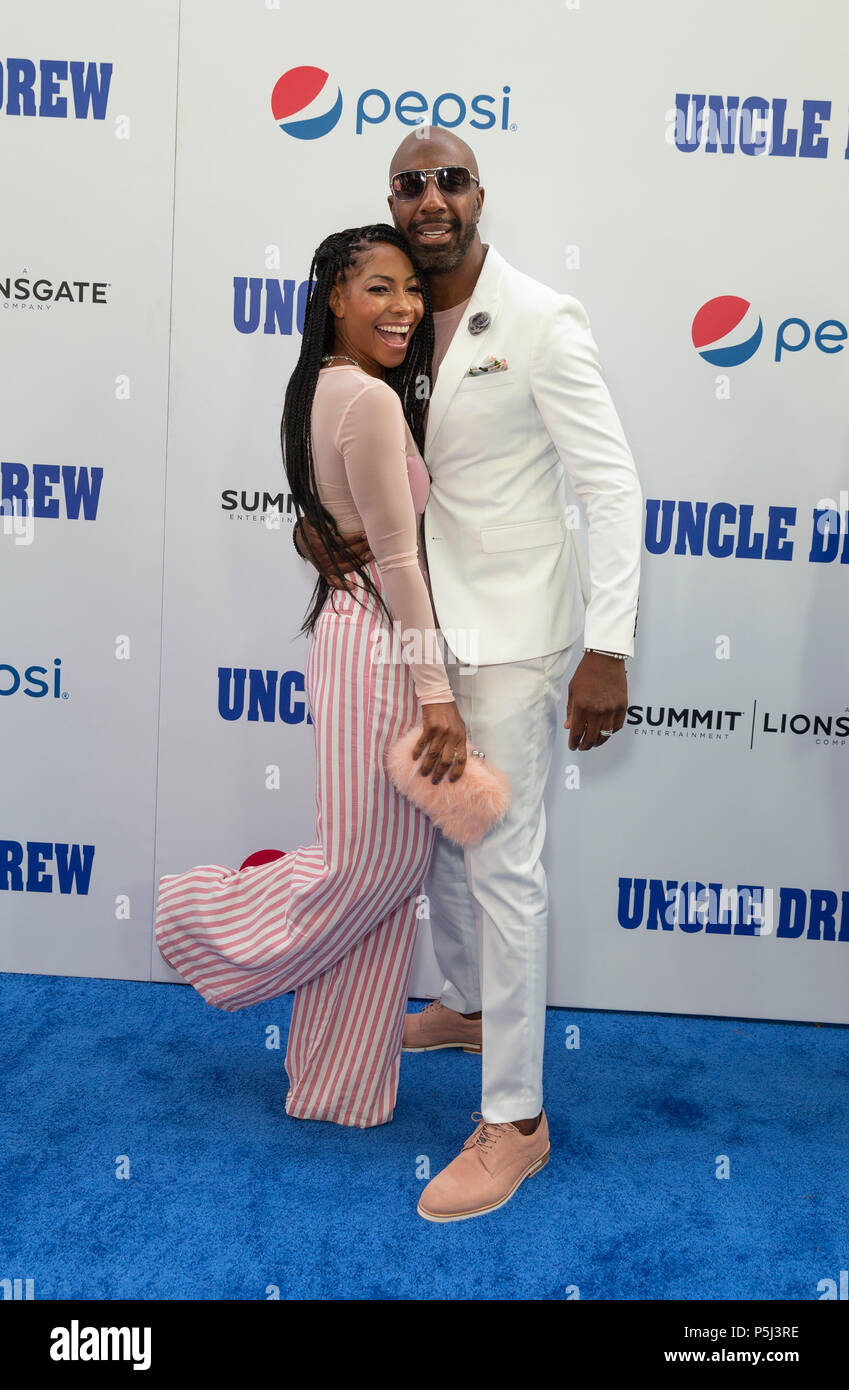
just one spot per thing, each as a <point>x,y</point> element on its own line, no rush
<point>228,1198</point>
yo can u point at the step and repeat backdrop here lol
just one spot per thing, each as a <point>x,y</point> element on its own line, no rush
<point>167,171</point>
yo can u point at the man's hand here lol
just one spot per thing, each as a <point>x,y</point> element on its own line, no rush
<point>598,699</point>
<point>308,544</point>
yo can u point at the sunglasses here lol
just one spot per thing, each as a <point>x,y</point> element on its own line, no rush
<point>452,179</point>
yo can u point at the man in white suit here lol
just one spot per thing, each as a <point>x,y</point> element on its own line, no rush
<point>518,398</point>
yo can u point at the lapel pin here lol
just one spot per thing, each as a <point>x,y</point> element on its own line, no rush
<point>478,322</point>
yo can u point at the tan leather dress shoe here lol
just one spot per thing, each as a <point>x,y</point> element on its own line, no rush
<point>492,1163</point>
<point>436,1027</point>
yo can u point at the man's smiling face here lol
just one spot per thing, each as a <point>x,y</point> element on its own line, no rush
<point>439,226</point>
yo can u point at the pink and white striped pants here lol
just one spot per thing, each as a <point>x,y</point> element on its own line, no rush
<point>334,921</point>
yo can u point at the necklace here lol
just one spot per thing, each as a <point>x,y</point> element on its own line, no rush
<point>343,356</point>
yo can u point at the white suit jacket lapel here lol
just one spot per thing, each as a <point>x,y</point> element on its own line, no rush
<point>465,348</point>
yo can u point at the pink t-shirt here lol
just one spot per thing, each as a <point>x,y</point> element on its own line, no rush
<point>445,325</point>
<point>372,478</point>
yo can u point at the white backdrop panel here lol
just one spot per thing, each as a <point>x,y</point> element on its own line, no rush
<point>586,190</point>
<point>84,388</point>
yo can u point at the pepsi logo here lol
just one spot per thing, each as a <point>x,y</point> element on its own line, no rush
<point>306,103</point>
<point>727,331</point>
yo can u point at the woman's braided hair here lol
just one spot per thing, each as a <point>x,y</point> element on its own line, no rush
<point>335,255</point>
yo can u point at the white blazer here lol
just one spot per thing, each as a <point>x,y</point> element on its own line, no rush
<point>508,573</point>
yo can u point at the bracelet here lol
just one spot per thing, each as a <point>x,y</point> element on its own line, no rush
<point>620,656</point>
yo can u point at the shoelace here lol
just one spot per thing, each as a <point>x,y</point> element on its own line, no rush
<point>488,1135</point>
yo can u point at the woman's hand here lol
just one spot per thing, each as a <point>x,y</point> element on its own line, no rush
<point>309,544</point>
<point>444,738</point>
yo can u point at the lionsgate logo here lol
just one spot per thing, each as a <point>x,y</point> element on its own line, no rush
<point>271,508</point>
<point>28,292</point>
<point>825,730</point>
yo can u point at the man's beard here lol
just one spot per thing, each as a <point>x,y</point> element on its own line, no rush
<point>444,258</point>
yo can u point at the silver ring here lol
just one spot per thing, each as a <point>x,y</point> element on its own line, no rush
<point>605,733</point>
<point>476,753</point>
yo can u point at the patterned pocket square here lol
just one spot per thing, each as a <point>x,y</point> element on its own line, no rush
<point>492,364</point>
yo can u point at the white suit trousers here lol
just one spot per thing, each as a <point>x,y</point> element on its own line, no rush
<point>489,904</point>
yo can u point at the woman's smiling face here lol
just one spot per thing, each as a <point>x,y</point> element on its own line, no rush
<point>377,307</point>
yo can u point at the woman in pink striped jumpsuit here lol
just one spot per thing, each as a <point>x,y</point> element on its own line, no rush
<point>335,921</point>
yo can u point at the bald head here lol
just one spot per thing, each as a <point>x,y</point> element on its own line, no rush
<point>438,222</point>
<point>427,147</point>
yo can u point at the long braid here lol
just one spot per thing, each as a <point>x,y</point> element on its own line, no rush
<point>411,379</point>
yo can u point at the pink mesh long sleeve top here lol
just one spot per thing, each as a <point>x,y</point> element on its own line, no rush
<point>372,478</point>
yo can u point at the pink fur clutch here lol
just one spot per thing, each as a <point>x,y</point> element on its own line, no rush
<point>463,810</point>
